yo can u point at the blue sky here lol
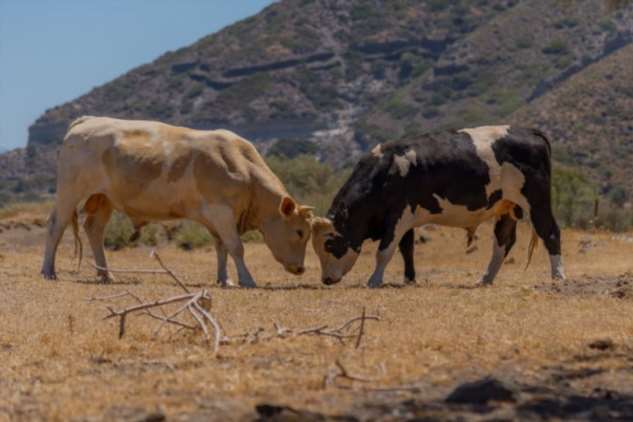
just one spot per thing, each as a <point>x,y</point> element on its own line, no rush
<point>52,51</point>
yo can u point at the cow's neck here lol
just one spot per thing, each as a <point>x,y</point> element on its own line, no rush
<point>265,201</point>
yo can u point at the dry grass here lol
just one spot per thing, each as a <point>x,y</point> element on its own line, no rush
<point>60,361</point>
<point>26,209</point>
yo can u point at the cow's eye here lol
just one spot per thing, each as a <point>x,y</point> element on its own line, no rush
<point>300,233</point>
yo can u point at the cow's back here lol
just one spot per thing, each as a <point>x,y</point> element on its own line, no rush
<point>145,166</point>
<point>455,177</point>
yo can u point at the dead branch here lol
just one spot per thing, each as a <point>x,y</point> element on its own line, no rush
<point>155,255</point>
<point>128,271</point>
<point>165,270</point>
<point>198,306</point>
<point>340,333</point>
<point>344,373</point>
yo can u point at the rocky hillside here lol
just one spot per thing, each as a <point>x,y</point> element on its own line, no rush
<point>590,120</point>
<point>344,74</point>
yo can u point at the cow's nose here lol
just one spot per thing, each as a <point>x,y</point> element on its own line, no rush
<point>329,281</point>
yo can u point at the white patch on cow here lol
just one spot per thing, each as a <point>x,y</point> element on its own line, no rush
<point>558,271</point>
<point>404,162</point>
<point>483,137</point>
<point>411,156</point>
<point>512,181</point>
<point>506,177</point>
<point>377,151</point>
<point>407,220</point>
<point>168,148</point>
<point>458,215</point>
<point>498,254</point>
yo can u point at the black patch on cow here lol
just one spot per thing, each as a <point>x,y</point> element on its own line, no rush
<point>529,150</point>
<point>406,246</point>
<point>518,212</point>
<point>337,246</point>
<point>371,202</point>
<point>494,198</point>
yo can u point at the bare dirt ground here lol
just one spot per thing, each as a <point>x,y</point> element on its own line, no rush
<point>549,350</point>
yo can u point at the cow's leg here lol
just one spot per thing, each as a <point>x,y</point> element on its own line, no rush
<point>59,218</point>
<point>406,247</point>
<point>220,220</point>
<point>222,254</point>
<point>547,229</point>
<point>99,210</point>
<point>385,252</point>
<point>503,240</point>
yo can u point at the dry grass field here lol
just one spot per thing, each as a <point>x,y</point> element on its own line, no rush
<point>565,350</point>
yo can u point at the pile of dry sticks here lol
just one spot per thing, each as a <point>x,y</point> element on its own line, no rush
<point>198,306</point>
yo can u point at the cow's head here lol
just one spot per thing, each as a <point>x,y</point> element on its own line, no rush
<point>337,256</point>
<point>287,234</point>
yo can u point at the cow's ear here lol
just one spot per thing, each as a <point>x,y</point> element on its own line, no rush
<point>287,206</point>
<point>306,212</point>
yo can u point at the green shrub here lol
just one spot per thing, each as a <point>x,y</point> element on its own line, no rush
<point>118,232</point>
<point>291,148</point>
<point>192,236</point>
<point>308,180</point>
<point>573,197</point>
<point>614,218</point>
<point>556,47</point>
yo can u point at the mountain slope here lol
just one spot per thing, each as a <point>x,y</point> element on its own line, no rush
<point>590,120</point>
<point>519,55</point>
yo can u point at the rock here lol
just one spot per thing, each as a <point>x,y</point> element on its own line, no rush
<point>602,344</point>
<point>483,391</point>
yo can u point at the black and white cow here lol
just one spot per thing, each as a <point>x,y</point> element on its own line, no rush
<point>457,179</point>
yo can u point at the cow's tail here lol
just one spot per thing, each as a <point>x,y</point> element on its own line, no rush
<point>544,137</point>
<point>532,247</point>
<point>79,249</point>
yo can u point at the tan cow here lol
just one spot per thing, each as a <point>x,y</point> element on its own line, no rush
<point>153,171</point>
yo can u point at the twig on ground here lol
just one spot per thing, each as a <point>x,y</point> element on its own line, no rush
<point>129,271</point>
<point>361,330</point>
<point>165,270</point>
<point>155,255</point>
<point>341,333</point>
<point>344,373</point>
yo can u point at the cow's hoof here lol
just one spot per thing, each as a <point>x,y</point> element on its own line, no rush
<point>248,284</point>
<point>483,284</point>
<point>49,275</point>
<point>106,278</point>
<point>374,285</point>
<point>226,283</point>
<point>409,281</point>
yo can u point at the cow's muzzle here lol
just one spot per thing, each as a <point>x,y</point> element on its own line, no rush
<point>330,281</point>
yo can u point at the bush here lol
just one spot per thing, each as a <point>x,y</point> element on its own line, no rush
<point>556,47</point>
<point>192,236</point>
<point>118,232</point>
<point>309,181</point>
<point>573,197</point>
<point>292,148</point>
